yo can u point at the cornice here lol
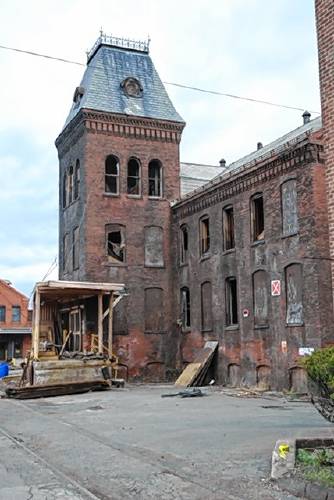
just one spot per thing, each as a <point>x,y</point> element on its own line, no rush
<point>234,184</point>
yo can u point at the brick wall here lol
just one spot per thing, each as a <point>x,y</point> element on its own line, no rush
<point>325,33</point>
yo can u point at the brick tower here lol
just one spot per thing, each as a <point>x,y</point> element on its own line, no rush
<point>325,33</point>
<point>118,172</point>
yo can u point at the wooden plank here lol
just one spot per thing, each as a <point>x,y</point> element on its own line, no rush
<point>100,323</point>
<point>41,391</point>
<point>195,372</point>
<point>110,332</point>
<point>36,326</point>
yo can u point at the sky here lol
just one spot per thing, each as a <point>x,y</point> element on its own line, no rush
<point>252,48</point>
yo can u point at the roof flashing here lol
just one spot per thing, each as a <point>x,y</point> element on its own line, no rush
<point>119,43</point>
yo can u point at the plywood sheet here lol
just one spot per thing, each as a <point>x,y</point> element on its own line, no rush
<point>195,372</point>
<point>188,375</point>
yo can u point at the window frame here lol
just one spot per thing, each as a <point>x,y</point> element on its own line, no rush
<point>139,176</point>
<point>204,253</point>
<point>229,313</point>
<point>265,322</point>
<point>17,308</point>
<point>227,229</point>
<point>255,223</point>
<point>301,292</point>
<point>4,310</point>
<point>185,312</point>
<point>76,181</point>
<point>116,176</point>
<point>296,231</point>
<point>75,248</point>
<point>160,180</point>
<point>184,251</point>
<point>65,266</point>
<point>112,261</point>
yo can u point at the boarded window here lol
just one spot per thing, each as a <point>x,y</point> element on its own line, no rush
<point>183,244</point>
<point>75,248</point>
<point>185,307</point>
<point>231,302</point>
<point>70,185</point>
<point>111,175</point>
<point>294,294</point>
<point>204,231</point>
<point>2,314</point>
<point>206,306</point>
<point>257,217</point>
<point>228,228</point>
<point>16,314</point>
<point>154,310</point>
<point>120,320</point>
<point>66,256</point>
<point>154,246</point>
<point>77,180</point>
<point>155,179</point>
<point>260,297</point>
<point>133,181</point>
<point>65,189</point>
<point>115,241</point>
<point>289,207</point>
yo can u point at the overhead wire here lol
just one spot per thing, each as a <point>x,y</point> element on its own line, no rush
<point>174,84</point>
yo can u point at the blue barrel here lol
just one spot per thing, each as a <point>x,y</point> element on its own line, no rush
<point>4,370</point>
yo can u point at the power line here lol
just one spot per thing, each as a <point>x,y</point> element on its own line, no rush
<point>180,85</point>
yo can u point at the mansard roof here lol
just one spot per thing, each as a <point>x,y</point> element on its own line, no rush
<point>266,152</point>
<point>120,78</point>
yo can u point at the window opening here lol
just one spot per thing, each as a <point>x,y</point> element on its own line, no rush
<point>2,314</point>
<point>70,185</point>
<point>154,179</point>
<point>75,329</point>
<point>115,244</point>
<point>77,180</point>
<point>75,254</point>
<point>16,314</point>
<point>228,228</point>
<point>204,235</point>
<point>231,302</point>
<point>112,175</point>
<point>257,214</point>
<point>133,177</point>
<point>184,244</point>
<point>185,307</point>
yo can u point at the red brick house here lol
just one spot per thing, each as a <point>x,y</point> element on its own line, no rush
<point>15,322</point>
<point>243,259</point>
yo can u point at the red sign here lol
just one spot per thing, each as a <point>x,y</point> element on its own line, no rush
<point>276,288</point>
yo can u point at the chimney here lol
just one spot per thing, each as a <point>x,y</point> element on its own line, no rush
<point>306,117</point>
<point>222,163</point>
<point>259,145</point>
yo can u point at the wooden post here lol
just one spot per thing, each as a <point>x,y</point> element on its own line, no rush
<point>111,300</point>
<point>100,323</point>
<point>35,330</point>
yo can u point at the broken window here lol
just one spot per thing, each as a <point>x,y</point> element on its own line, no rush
<point>204,229</point>
<point>260,295</point>
<point>76,181</point>
<point>185,307</point>
<point>231,302</point>
<point>206,306</point>
<point>16,314</point>
<point>183,244</point>
<point>154,310</point>
<point>115,238</point>
<point>133,177</point>
<point>294,294</point>
<point>154,256</point>
<point>257,217</point>
<point>155,179</point>
<point>112,175</point>
<point>65,252</point>
<point>228,228</point>
<point>2,314</point>
<point>75,248</point>
<point>289,207</point>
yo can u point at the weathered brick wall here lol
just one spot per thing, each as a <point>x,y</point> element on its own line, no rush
<point>325,33</point>
<point>247,352</point>
<point>9,297</point>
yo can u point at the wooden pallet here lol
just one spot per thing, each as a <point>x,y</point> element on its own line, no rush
<point>43,391</point>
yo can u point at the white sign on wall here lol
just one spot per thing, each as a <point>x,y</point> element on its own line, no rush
<point>276,288</point>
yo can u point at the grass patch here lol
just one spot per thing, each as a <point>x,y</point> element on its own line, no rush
<point>317,465</point>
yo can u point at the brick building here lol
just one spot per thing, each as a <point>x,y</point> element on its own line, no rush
<point>243,259</point>
<point>15,322</point>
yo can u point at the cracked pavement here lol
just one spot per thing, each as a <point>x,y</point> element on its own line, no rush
<point>131,443</point>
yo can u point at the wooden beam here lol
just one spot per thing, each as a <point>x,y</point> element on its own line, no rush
<point>35,330</point>
<point>110,332</point>
<point>100,323</point>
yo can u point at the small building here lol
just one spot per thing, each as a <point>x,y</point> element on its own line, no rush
<point>15,322</point>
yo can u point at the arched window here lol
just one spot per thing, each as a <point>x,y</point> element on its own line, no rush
<point>257,217</point>
<point>112,175</point>
<point>183,244</point>
<point>77,180</point>
<point>294,294</point>
<point>289,207</point>
<point>231,301</point>
<point>260,298</point>
<point>154,247</point>
<point>155,179</point>
<point>133,181</point>
<point>228,228</point>
<point>154,310</point>
<point>204,234</point>
<point>185,307</point>
<point>70,185</point>
<point>65,189</point>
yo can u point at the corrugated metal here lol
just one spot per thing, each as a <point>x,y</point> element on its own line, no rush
<point>105,72</point>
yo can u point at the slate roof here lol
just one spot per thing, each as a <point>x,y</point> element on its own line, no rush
<point>106,69</point>
<point>194,175</point>
<point>271,149</point>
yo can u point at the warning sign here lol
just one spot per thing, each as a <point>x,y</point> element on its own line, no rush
<point>276,288</point>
